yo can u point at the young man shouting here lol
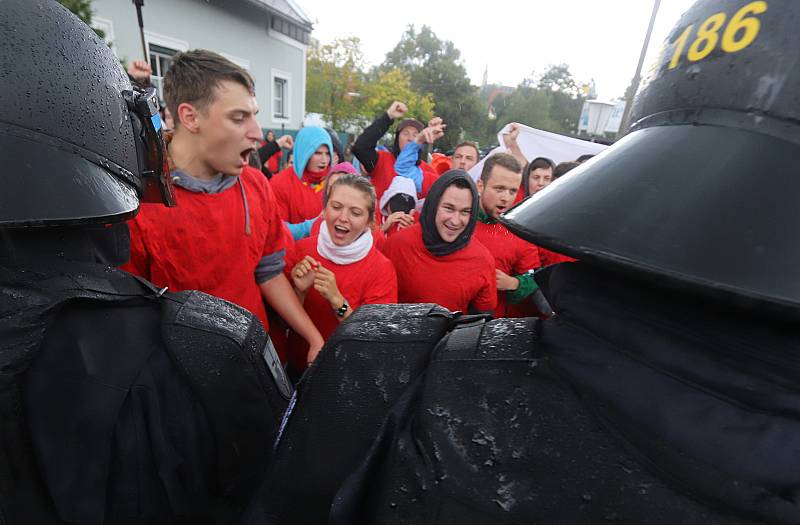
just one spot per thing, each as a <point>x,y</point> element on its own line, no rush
<point>224,237</point>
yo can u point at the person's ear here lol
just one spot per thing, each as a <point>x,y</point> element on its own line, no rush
<point>189,117</point>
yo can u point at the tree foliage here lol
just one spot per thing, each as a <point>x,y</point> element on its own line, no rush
<point>333,82</point>
<point>387,86</point>
<point>434,67</point>
<point>551,101</point>
<point>340,90</point>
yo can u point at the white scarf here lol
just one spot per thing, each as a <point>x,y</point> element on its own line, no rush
<point>353,252</point>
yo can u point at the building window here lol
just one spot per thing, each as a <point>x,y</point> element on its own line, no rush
<point>279,93</point>
<point>160,60</point>
<point>291,30</point>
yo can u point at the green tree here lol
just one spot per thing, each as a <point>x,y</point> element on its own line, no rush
<point>384,87</point>
<point>528,106</point>
<point>334,80</point>
<point>566,97</point>
<point>434,67</point>
<point>83,10</point>
<point>551,101</point>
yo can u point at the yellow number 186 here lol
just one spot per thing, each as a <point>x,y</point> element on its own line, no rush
<point>740,32</point>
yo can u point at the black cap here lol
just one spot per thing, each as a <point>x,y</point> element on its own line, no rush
<point>702,189</point>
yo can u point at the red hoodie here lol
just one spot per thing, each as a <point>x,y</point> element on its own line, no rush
<point>512,255</point>
<point>372,280</point>
<point>455,281</point>
<point>202,243</point>
<point>297,201</point>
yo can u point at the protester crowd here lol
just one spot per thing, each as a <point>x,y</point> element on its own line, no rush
<point>320,238</point>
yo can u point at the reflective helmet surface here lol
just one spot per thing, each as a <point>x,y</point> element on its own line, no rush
<point>68,150</point>
<point>701,191</point>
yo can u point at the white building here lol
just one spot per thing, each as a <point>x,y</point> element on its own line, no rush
<point>269,38</point>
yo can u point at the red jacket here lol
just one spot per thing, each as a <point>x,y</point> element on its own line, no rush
<point>296,200</point>
<point>454,281</point>
<point>202,243</point>
<point>512,255</point>
<point>372,280</point>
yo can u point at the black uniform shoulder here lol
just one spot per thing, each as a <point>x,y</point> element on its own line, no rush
<point>203,312</point>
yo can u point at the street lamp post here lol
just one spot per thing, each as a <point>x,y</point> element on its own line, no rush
<point>631,91</point>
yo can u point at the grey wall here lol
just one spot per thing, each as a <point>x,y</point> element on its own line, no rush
<point>232,27</point>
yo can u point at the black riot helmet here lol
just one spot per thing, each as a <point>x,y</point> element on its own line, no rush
<point>78,144</point>
<point>702,190</point>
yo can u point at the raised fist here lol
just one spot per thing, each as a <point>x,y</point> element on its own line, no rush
<point>286,142</point>
<point>396,110</point>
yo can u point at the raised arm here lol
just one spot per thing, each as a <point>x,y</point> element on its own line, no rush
<point>364,146</point>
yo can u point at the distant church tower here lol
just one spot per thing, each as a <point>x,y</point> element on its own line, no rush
<point>486,76</point>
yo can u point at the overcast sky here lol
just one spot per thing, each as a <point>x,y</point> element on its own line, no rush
<point>597,39</point>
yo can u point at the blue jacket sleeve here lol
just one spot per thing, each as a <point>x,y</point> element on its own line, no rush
<point>301,230</point>
<point>406,164</point>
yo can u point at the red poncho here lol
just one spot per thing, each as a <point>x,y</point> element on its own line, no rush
<point>454,281</point>
<point>512,256</point>
<point>202,243</point>
<point>372,280</point>
<point>297,201</point>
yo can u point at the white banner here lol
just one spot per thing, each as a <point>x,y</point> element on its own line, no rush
<point>537,143</point>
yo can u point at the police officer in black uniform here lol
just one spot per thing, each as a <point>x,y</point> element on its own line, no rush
<point>664,391</point>
<point>119,403</point>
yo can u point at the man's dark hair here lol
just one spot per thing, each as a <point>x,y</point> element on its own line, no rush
<point>471,145</point>
<point>564,167</point>
<point>583,158</point>
<point>460,184</point>
<point>401,202</point>
<point>195,74</point>
<point>540,163</point>
<point>506,160</point>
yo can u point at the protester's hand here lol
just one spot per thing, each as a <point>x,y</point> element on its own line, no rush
<point>430,134</point>
<point>511,137</point>
<point>140,71</point>
<point>286,142</point>
<point>304,272</point>
<point>436,121</point>
<point>505,282</point>
<point>325,284</point>
<point>396,110</point>
<point>313,351</point>
<point>402,219</point>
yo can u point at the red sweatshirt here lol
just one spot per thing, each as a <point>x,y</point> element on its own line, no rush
<point>201,244</point>
<point>454,281</point>
<point>372,280</point>
<point>384,172</point>
<point>512,256</point>
<point>297,201</point>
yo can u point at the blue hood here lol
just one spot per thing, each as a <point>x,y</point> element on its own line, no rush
<point>305,144</point>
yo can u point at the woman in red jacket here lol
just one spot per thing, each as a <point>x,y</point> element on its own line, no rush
<point>340,269</point>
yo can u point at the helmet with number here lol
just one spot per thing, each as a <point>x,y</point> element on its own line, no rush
<point>78,144</point>
<point>701,191</point>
